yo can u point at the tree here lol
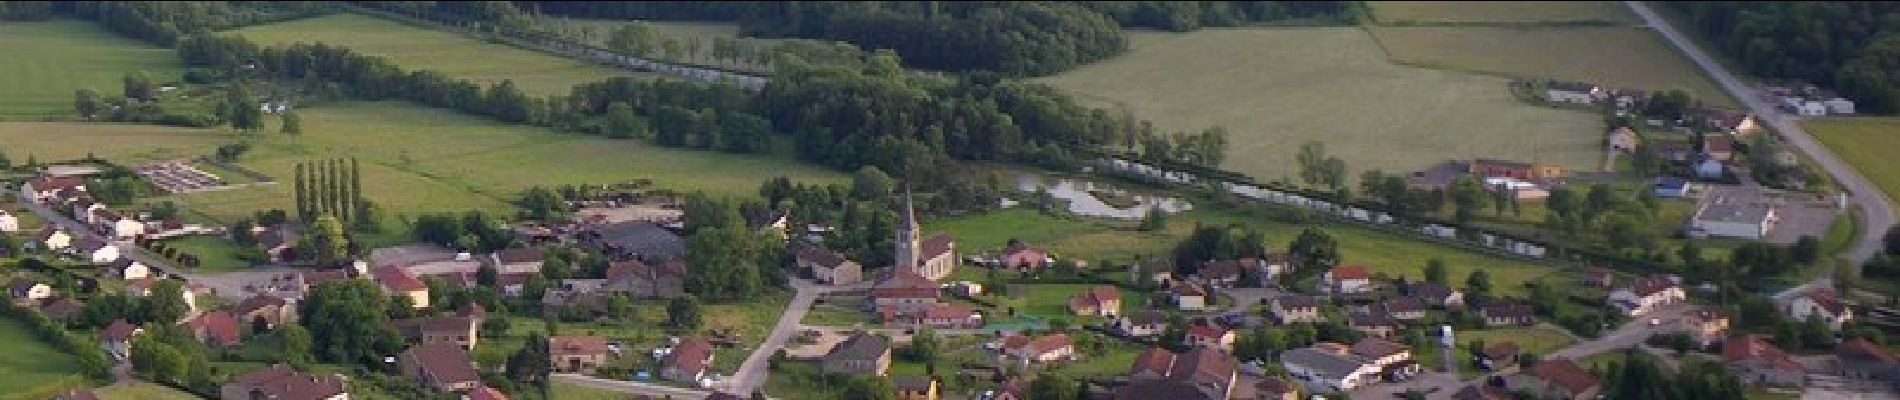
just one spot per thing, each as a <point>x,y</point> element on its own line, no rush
<point>683,313</point>
<point>635,39</point>
<point>293,124</point>
<point>530,365</point>
<point>622,123</point>
<point>1468,196</point>
<point>166,302</point>
<point>1435,271</point>
<point>1312,158</point>
<point>1052,385</point>
<point>138,86</point>
<point>346,319</point>
<point>243,109</point>
<point>87,103</point>
<point>539,203</point>
<point>1155,220</point>
<point>871,184</point>
<point>1315,249</point>
<point>1478,284</point>
<point>296,343</point>
<point>923,346</point>
<point>1806,250</point>
<point>329,245</point>
<point>487,276</point>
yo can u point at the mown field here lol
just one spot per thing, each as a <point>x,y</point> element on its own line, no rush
<point>418,48</point>
<point>1619,56</point>
<point>47,61</point>
<point>1865,143</point>
<point>122,143</point>
<point>32,368</point>
<point>1276,88</point>
<point>422,160</point>
<point>1476,12</point>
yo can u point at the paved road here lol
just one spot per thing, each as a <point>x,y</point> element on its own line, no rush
<point>632,387</point>
<point>126,248</point>
<point>751,374</point>
<point>229,285</point>
<point>1877,208</point>
<point>1631,334</point>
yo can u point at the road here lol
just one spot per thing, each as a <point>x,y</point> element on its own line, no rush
<point>1877,209</point>
<point>1629,335</point>
<point>229,285</point>
<point>751,374</point>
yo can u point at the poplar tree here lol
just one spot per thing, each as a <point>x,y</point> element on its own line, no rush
<point>303,203</point>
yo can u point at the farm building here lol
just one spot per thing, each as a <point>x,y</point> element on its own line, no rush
<point>1571,92</point>
<point>1726,218</point>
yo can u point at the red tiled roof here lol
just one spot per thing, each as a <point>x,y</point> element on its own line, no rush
<point>446,361</point>
<point>1754,347</point>
<point>1015,247</point>
<point>690,355</point>
<point>577,345</point>
<point>397,279</point>
<point>1646,286</point>
<point>1345,272</point>
<point>905,284</point>
<point>485,393</point>
<point>1828,300</point>
<point>256,302</point>
<point>218,327</point>
<point>50,184</point>
<point>118,331</point>
<point>935,246</point>
<point>1375,348</point>
<point>1095,297</point>
<point>281,382</point>
<point>948,311</point>
<point>1717,143</point>
<point>1206,331</point>
<point>1155,360</point>
<point>1565,373</point>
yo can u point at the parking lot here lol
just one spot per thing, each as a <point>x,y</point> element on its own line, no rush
<point>1801,214</point>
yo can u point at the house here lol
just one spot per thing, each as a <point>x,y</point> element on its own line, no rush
<point>1726,218</point>
<point>1624,140</point>
<point>1718,147</point>
<point>1022,257</point>
<point>1673,150</point>
<point>1274,388</point>
<point>1821,303</point>
<point>1188,296</point>
<point>1598,277</point>
<point>1210,335</point>
<point>1811,109</point>
<point>688,361</point>
<point>577,354</point>
<point>827,266</point>
<point>1839,106</point>
<point>1506,313</point>
<point>517,260</point>
<point>26,291</point>
<point>398,282</point>
<point>664,279</point>
<point>1295,309</point>
<point>913,387</point>
<point>1864,360</point>
<point>1372,324</point>
<point>264,310</point>
<point>640,240</point>
<point>94,250</point>
<point>1404,308</point>
<point>216,329</point>
<point>861,354</point>
<point>281,382</point>
<point>1226,273</point>
<point>489,393</point>
<point>1327,371</point>
<point>48,188</point>
<point>1482,392</point>
<point>1043,349</point>
<point>117,339</point>
<point>903,292</point>
<point>129,269</point>
<point>1556,379</point>
<point>1198,373</point>
<point>1146,323</point>
<point>1707,325</point>
<point>279,241</point>
<point>939,316</point>
<point>144,287</point>
<point>773,220</point>
<point>1274,265</point>
<point>121,227</point>
<point>8,222</point>
<point>440,366</point>
<point>1347,279</point>
<point>1670,188</point>
<point>1101,300</point>
<point>1645,294</point>
<point>1493,168</point>
<point>1732,122</point>
<point>1435,295</point>
<point>1499,357</point>
<point>1381,352</point>
<point>1753,360</point>
<point>1571,92</point>
<point>459,330</point>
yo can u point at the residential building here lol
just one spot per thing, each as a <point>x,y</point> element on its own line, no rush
<point>640,240</point>
<point>215,329</point>
<point>1274,265</point>
<point>54,239</point>
<point>459,330</point>
<point>1328,372</point>
<point>1867,361</point>
<point>264,310</point>
<point>904,292</point>
<point>1435,295</point>
<point>1500,357</point>
<point>1482,392</point>
<point>931,259</point>
<point>1101,300</point>
<point>26,291</point>
<point>1707,325</point>
<point>1227,273</point>
<point>1571,92</point>
<point>664,279</point>
<point>94,250</point>
<point>48,188</point>
<point>1274,388</point>
<point>939,316</point>
<point>1822,303</point>
<point>1199,373</point>
<point>8,222</point>
<point>117,339</point>
<point>1598,277</point>
<point>688,361</point>
<point>1404,308</point>
<point>1752,359</point>
<point>397,282</point>
<point>1507,313</point>
<point>1041,349</point>
<point>861,354</point>
<point>1188,296</point>
<point>1556,379</point>
<point>1372,324</point>
<point>1521,171</point>
<point>1670,188</point>
<point>1382,352</point>
<point>279,241</point>
<point>578,354</point>
<point>440,366</point>
<point>129,269</point>
<point>1146,323</point>
<point>1624,140</point>
<point>1347,279</point>
<point>281,382</point>
<point>517,260</point>
<point>1210,335</point>
<point>1022,257</point>
<point>826,266</point>
<point>489,393</point>
<point>1811,109</point>
<point>913,387</point>
<point>1295,309</point>
<point>1718,147</point>
<point>1646,294</point>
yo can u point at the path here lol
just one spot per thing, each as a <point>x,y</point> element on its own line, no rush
<point>751,374</point>
<point>1879,209</point>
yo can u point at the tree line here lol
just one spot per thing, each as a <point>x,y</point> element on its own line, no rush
<point>1848,45</point>
<point>330,187</point>
<point>165,22</point>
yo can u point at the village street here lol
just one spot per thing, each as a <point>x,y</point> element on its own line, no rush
<point>229,285</point>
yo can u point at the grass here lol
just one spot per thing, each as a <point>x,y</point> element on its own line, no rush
<point>126,144</point>
<point>682,31</point>
<point>1617,57</point>
<point>1276,88</point>
<point>1498,11</point>
<point>566,391</point>
<point>826,315</point>
<point>143,391</point>
<point>799,380</point>
<point>215,254</point>
<point>1050,301</point>
<point>1841,234</point>
<point>34,369</point>
<point>1534,340</point>
<point>422,160</point>
<point>1112,364</point>
<point>418,48</point>
<point>52,59</point>
<point>1864,143</point>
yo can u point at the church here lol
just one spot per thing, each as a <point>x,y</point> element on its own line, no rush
<point>932,259</point>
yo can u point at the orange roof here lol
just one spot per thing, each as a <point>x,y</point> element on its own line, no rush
<point>1345,272</point>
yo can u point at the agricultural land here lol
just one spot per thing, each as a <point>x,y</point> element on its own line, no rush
<point>1482,12</point>
<point>1866,143</point>
<point>34,369</point>
<point>124,143</point>
<point>50,60</point>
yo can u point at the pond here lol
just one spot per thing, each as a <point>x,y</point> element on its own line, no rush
<point>1091,199</point>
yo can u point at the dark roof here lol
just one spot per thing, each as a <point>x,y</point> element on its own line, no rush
<point>61,308</point>
<point>1204,367</point>
<point>439,324</point>
<point>1563,372</point>
<point>1221,269</point>
<point>644,239</point>
<point>1501,351</point>
<point>118,331</point>
<point>446,361</point>
<point>1507,310</point>
<point>285,235</point>
<point>256,302</point>
<point>1328,365</point>
<point>691,354</point>
<point>1146,390</point>
<point>577,345</point>
<point>1403,304</point>
<point>1207,330</point>
<point>758,220</point>
<point>1296,301</point>
<point>1860,349</point>
<point>935,246</point>
<point>1147,317</point>
<point>1370,319</point>
<point>520,255</point>
<point>281,382</point>
<point>862,346</point>
<point>1571,86</point>
<point>1375,348</point>
<point>1428,290</point>
<point>818,255</point>
<point>1274,386</point>
<point>88,244</point>
<point>1155,360</point>
<point>912,383</point>
<point>1646,286</point>
<point>20,286</point>
<point>1481,392</point>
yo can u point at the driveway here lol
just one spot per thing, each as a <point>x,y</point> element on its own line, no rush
<point>1877,209</point>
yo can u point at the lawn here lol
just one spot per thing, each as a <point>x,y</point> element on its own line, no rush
<point>1535,340</point>
<point>127,144</point>
<point>143,391</point>
<point>34,369</point>
<point>799,380</point>
<point>1865,143</point>
<point>1113,364</point>
<point>50,60</point>
<point>417,160</point>
<point>215,254</point>
<point>1474,12</point>
<point>417,48</point>
<point>567,391</point>
<point>1618,57</point>
<point>1276,88</point>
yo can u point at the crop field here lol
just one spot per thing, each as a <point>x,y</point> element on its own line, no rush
<point>1477,12</point>
<point>420,160</point>
<point>417,48</point>
<point>1618,57</point>
<point>123,143</point>
<point>1274,89</point>
<point>1865,143</point>
<point>34,369</point>
<point>48,61</point>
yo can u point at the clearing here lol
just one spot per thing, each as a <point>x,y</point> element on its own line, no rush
<point>1276,88</point>
<point>126,144</point>
<point>34,369</point>
<point>52,59</point>
<point>1618,56</point>
<point>417,48</point>
<point>422,160</point>
<point>1867,143</point>
<point>1479,12</point>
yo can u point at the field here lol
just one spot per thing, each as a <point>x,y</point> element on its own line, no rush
<point>143,391</point>
<point>215,254</point>
<point>567,391</point>
<point>1471,12</point>
<point>420,160</point>
<point>1865,143</point>
<point>416,48</point>
<point>1618,57</point>
<point>1276,88</point>
<point>34,369</point>
<point>1539,341</point>
<point>126,144</point>
<point>49,60</point>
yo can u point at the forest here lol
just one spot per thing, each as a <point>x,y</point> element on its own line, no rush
<point>1847,45</point>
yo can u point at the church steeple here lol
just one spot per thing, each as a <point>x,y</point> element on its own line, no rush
<point>908,234</point>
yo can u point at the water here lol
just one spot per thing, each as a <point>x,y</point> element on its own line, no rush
<point>1081,202</point>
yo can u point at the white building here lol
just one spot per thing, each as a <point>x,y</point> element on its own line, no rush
<point>8,222</point>
<point>1721,217</point>
<point>1328,372</point>
<point>1571,92</point>
<point>1811,109</point>
<point>1823,303</point>
<point>1839,106</point>
<point>1645,294</point>
<point>1347,279</point>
